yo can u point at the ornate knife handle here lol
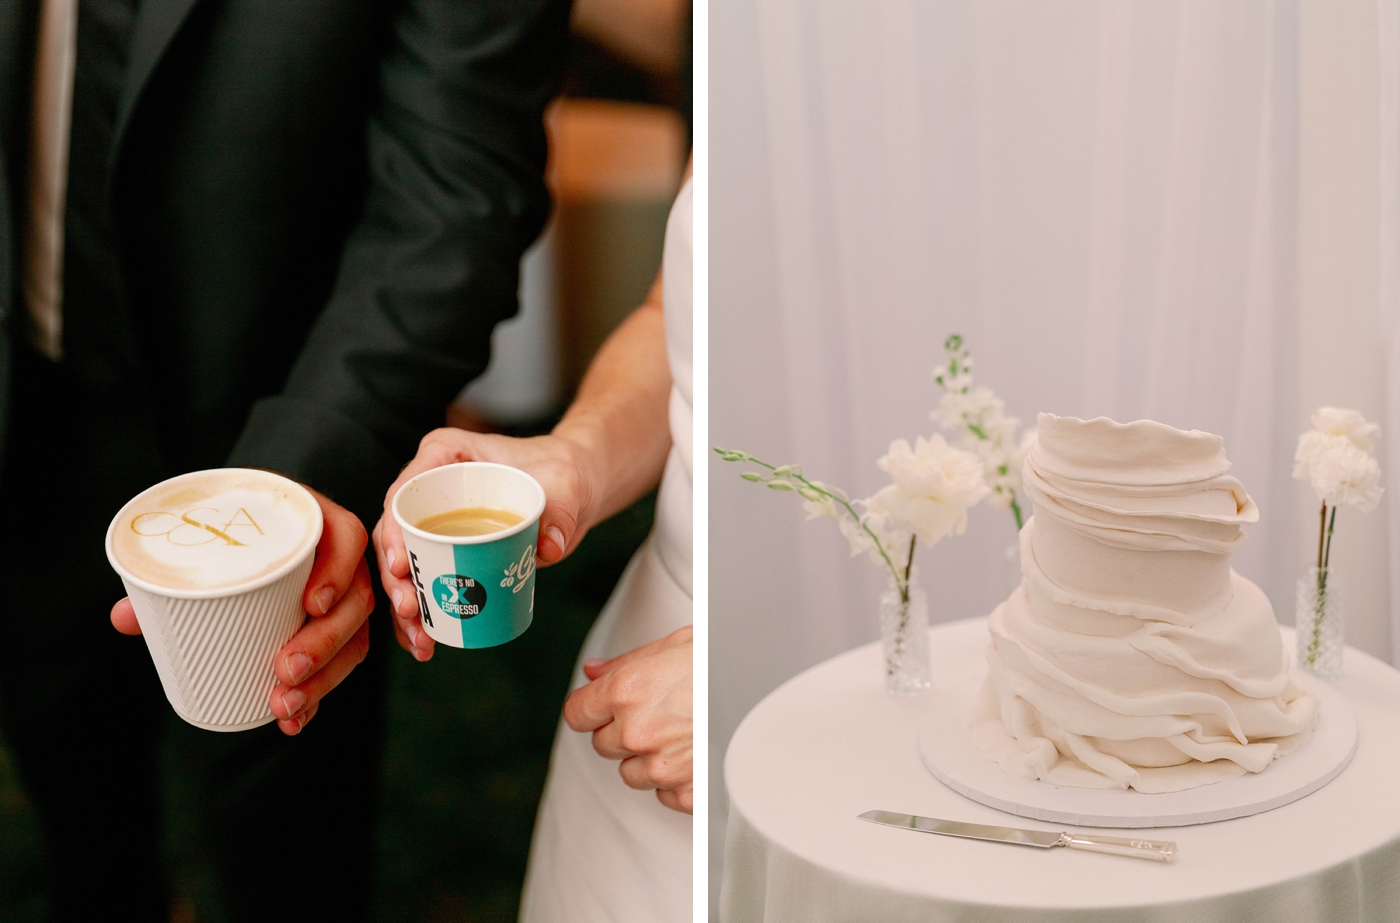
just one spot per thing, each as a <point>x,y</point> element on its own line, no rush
<point>1118,846</point>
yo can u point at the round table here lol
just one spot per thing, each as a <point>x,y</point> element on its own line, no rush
<point>830,744</point>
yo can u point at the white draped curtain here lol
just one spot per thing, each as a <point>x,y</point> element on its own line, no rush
<point>1187,211</point>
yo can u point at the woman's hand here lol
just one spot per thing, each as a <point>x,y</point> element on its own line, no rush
<point>639,708</point>
<point>558,463</point>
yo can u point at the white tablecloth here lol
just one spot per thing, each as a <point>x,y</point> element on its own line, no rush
<point>830,744</point>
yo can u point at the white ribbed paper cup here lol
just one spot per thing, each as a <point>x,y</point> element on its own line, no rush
<point>213,648</point>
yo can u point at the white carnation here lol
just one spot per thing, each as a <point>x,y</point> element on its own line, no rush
<point>1340,471</point>
<point>1342,421</point>
<point>934,485</point>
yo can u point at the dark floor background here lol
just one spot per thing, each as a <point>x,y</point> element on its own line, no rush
<point>468,744</point>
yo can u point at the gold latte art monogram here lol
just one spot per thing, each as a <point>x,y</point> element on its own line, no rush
<point>186,521</point>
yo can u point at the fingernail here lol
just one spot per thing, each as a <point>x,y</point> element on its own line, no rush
<point>593,663</point>
<point>412,631</point>
<point>293,700</point>
<point>389,556</point>
<point>298,668</point>
<point>396,597</point>
<point>556,535</point>
<point>324,598</point>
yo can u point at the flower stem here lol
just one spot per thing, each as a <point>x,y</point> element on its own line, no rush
<point>1326,527</point>
<point>1319,612</point>
<point>1327,557</point>
<point>1016,511</point>
<point>902,640</point>
<point>908,569</point>
<point>902,585</point>
<point>1321,531</point>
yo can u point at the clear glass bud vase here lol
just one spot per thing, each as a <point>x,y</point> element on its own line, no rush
<point>1319,623</point>
<point>904,630</point>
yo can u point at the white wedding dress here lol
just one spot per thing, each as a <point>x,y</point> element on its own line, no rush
<point>603,852</point>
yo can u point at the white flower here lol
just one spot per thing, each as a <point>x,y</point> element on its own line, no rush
<point>1003,470</point>
<point>859,539</point>
<point>956,410</point>
<point>980,424</point>
<point>894,540</point>
<point>934,485</point>
<point>1342,421</point>
<point>1340,471</point>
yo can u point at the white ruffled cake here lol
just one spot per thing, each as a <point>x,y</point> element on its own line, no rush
<point>1132,655</point>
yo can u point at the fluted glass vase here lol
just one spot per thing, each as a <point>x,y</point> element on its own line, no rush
<point>904,630</point>
<point>1319,623</point>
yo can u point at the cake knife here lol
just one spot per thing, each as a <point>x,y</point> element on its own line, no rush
<point>1118,846</point>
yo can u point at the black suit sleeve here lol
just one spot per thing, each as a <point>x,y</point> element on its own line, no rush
<point>456,157</point>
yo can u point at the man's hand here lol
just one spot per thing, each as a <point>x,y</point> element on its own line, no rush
<point>639,708</point>
<point>557,463</point>
<point>334,639</point>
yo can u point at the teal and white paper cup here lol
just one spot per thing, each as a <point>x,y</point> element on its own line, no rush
<point>473,590</point>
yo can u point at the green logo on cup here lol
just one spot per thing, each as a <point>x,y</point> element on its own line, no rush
<point>458,596</point>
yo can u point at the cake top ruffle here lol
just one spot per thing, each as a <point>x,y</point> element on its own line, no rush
<point>1143,452</point>
<point>1139,485</point>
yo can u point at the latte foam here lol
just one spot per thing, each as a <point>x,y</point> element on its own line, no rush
<point>214,530</point>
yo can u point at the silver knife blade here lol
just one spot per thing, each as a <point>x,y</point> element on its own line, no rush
<point>1155,850</point>
<point>1042,838</point>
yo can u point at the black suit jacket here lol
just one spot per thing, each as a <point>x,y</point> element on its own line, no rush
<point>321,207</point>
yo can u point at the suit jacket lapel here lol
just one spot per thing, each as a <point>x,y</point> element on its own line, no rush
<point>157,21</point>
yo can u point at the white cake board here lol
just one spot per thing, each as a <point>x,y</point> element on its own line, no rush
<point>945,744</point>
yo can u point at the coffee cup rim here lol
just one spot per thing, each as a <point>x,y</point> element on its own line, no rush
<point>530,518</point>
<point>238,589</point>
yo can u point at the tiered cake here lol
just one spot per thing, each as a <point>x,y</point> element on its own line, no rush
<point>1132,655</point>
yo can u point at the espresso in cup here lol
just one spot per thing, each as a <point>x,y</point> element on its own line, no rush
<point>470,520</point>
<point>470,531</point>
